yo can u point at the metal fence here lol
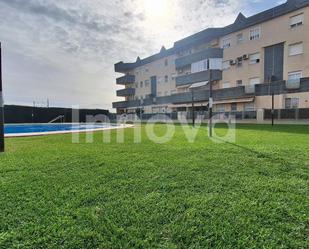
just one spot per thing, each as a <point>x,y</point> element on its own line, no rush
<point>287,114</point>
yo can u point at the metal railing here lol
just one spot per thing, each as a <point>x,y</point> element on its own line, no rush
<point>60,118</point>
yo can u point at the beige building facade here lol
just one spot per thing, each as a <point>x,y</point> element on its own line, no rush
<point>246,62</point>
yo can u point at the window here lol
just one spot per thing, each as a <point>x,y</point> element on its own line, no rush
<point>234,107</point>
<point>296,49</point>
<point>146,70</point>
<point>296,21</point>
<point>240,38</point>
<point>249,107</point>
<point>220,108</point>
<point>141,84</point>
<point>166,79</point>
<point>147,83</point>
<point>166,62</point>
<point>199,66</point>
<point>160,80</point>
<point>215,63</point>
<point>226,65</point>
<point>226,84</point>
<point>254,58</point>
<point>254,81</point>
<point>291,103</point>
<point>226,42</point>
<point>295,75</point>
<point>136,85</point>
<point>239,82</point>
<point>255,33</point>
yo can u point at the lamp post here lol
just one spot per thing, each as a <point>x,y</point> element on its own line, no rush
<point>210,103</point>
<point>1,107</point>
<point>192,87</point>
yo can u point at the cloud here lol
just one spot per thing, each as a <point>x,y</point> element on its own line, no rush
<point>65,50</point>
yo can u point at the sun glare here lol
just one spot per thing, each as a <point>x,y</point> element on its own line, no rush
<point>156,8</point>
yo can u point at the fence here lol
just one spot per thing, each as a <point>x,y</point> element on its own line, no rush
<point>288,114</point>
<point>198,115</point>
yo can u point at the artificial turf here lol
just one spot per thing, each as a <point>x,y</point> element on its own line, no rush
<point>253,193</point>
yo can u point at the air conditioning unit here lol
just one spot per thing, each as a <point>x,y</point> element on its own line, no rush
<point>232,62</point>
<point>245,57</point>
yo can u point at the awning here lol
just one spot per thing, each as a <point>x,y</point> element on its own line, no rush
<point>199,84</point>
<point>230,101</point>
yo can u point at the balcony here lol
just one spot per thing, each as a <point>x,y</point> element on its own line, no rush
<point>198,77</point>
<point>124,67</point>
<point>126,104</point>
<point>127,79</point>
<point>205,54</point>
<point>125,92</point>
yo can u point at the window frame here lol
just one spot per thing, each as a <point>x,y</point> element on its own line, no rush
<point>225,45</point>
<point>254,78</point>
<point>254,61</point>
<point>298,24</point>
<point>295,73</point>
<point>255,37</point>
<point>291,103</point>
<point>295,44</point>
<point>240,41</point>
<point>225,83</point>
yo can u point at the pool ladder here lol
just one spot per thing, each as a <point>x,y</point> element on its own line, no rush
<point>61,118</point>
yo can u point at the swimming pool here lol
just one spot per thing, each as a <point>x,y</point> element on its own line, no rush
<point>14,130</point>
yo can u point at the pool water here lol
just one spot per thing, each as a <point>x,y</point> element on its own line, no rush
<point>42,128</point>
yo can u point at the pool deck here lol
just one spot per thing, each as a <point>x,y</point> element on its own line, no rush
<point>32,134</point>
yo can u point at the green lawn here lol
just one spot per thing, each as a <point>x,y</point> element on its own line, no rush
<point>252,194</point>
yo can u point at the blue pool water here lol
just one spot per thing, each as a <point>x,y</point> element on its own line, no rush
<point>35,128</point>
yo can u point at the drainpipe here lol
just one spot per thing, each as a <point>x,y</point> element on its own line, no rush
<point>1,107</point>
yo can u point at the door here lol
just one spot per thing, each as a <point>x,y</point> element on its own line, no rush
<point>273,63</point>
<point>153,80</point>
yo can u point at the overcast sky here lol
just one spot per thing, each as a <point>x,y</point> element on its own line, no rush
<point>65,50</point>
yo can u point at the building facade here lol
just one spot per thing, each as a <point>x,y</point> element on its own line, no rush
<point>246,62</point>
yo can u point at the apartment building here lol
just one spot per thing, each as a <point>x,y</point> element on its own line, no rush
<point>246,62</point>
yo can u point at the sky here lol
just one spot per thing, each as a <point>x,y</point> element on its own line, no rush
<point>65,50</point>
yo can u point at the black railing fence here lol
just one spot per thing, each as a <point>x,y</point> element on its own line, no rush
<point>291,114</point>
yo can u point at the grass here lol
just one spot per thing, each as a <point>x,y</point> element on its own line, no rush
<point>251,194</point>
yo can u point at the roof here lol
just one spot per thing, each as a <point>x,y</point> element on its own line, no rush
<point>242,22</point>
<point>210,34</point>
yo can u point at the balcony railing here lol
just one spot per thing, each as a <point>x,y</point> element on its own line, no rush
<point>205,54</point>
<point>293,84</point>
<point>198,77</point>
<point>250,89</point>
<point>219,94</point>
<point>126,92</point>
<point>126,104</point>
<point>124,67</point>
<point>127,79</point>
